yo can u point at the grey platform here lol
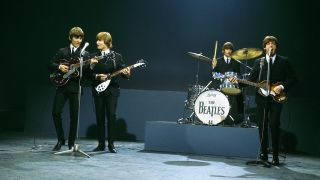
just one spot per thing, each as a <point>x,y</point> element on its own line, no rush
<point>200,139</point>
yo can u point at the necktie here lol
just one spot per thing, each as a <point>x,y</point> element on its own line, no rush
<point>228,60</point>
<point>73,50</point>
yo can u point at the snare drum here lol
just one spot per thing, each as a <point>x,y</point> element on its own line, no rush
<point>211,107</point>
<point>227,86</point>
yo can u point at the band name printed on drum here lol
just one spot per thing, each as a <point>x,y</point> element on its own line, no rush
<point>212,110</point>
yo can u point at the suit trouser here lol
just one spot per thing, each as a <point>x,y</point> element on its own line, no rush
<point>268,115</point>
<point>60,99</point>
<point>105,105</point>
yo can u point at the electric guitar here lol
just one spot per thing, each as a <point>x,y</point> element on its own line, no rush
<point>103,86</point>
<point>264,89</point>
<point>60,79</point>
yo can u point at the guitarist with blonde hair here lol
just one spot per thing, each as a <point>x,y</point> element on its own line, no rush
<point>106,101</point>
<point>276,71</point>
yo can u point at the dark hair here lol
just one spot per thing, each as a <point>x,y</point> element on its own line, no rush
<point>268,39</point>
<point>76,32</point>
<point>227,45</point>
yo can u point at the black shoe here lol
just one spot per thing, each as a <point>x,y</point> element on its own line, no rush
<point>275,161</point>
<point>264,157</point>
<point>70,146</point>
<point>100,147</point>
<point>57,147</point>
<point>111,148</point>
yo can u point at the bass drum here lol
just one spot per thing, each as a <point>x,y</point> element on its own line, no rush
<point>212,107</point>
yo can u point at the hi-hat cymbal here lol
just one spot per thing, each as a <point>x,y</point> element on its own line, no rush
<point>246,53</point>
<point>200,57</point>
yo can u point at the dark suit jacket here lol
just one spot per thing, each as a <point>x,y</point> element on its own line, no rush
<point>280,71</point>
<point>113,62</point>
<point>223,67</point>
<point>65,53</point>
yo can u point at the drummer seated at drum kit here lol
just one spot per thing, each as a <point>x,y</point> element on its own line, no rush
<point>230,68</point>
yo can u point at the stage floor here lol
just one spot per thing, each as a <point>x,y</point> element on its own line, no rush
<point>19,161</point>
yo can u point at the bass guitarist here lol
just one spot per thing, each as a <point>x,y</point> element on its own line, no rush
<point>273,69</point>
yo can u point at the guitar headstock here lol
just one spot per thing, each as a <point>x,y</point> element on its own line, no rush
<point>141,62</point>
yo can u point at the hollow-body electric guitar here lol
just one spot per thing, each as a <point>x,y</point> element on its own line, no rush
<point>59,79</point>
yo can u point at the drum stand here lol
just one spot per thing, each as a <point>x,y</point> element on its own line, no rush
<point>191,118</point>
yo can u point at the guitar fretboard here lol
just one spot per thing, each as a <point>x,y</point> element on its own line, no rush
<point>119,72</point>
<point>77,65</point>
<point>243,81</point>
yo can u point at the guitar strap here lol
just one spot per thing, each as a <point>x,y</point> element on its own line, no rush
<point>113,58</point>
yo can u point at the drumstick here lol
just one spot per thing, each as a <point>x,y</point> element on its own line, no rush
<point>215,50</point>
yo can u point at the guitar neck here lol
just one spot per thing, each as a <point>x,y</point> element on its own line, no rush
<point>86,62</point>
<point>243,81</point>
<point>119,71</point>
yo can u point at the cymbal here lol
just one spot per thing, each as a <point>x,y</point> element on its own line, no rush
<point>200,57</point>
<point>246,53</point>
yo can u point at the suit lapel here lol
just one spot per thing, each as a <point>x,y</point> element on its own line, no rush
<point>276,62</point>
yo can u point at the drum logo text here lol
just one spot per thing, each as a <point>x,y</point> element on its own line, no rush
<point>212,110</point>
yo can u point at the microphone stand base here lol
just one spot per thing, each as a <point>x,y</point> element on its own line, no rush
<point>74,149</point>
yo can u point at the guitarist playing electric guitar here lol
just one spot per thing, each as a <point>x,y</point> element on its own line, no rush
<point>271,68</point>
<point>106,101</point>
<point>68,91</point>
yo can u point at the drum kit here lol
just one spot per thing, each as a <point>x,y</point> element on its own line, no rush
<point>211,106</point>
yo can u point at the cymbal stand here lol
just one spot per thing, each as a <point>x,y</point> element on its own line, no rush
<point>246,119</point>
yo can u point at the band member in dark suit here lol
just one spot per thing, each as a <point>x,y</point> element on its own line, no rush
<point>69,91</point>
<point>228,64</point>
<point>269,111</point>
<point>106,101</point>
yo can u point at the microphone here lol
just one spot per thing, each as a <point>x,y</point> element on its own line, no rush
<point>84,47</point>
<point>270,51</point>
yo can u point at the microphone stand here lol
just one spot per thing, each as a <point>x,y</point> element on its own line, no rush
<point>76,147</point>
<point>259,161</point>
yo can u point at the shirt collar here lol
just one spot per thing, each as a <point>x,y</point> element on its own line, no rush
<point>75,48</point>
<point>105,52</point>
<point>273,58</point>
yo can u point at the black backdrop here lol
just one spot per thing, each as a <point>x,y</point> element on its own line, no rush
<point>161,32</point>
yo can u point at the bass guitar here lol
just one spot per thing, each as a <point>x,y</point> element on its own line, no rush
<point>264,89</point>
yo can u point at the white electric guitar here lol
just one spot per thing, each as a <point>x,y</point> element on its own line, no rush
<point>103,86</point>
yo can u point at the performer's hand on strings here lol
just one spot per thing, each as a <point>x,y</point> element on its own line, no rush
<point>63,68</point>
<point>278,89</point>
<point>126,71</point>
<point>102,77</point>
<point>93,61</point>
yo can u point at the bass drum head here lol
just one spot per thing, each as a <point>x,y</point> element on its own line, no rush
<point>212,107</point>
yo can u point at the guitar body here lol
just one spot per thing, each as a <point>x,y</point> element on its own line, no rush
<point>280,98</point>
<point>59,78</point>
